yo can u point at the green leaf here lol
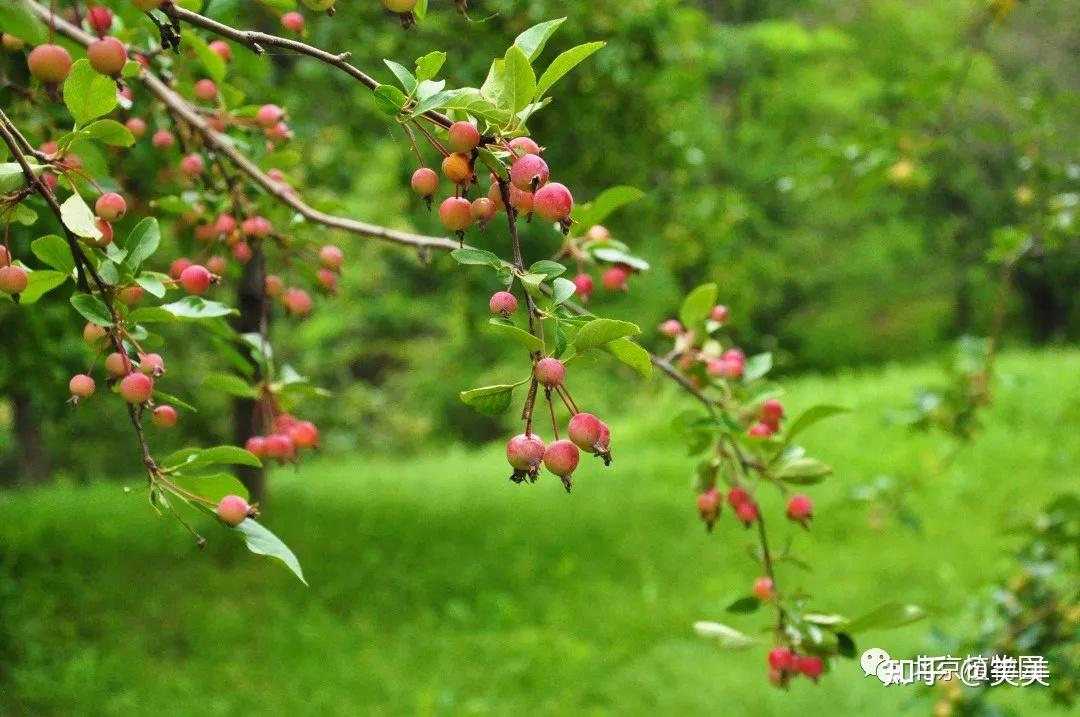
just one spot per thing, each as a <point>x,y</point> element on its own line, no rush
<point>187,458</point>
<point>598,332</point>
<point>550,269</point>
<point>142,242</point>
<point>87,94</point>
<point>212,62</point>
<point>616,256</point>
<point>562,290</point>
<point>55,252</point>
<point>507,330</point>
<point>697,306</point>
<point>886,617</point>
<point>110,132</point>
<point>610,200</point>
<point>152,284</point>
<point>757,366</point>
<point>194,307</point>
<point>563,64</point>
<point>162,397</point>
<point>262,542</point>
<point>632,355</point>
<point>476,257</point>
<point>532,41</point>
<point>78,217</point>
<point>390,100</point>
<point>214,486</point>
<point>231,385</point>
<point>92,309</point>
<point>727,636</point>
<point>520,80</point>
<point>39,283</point>
<point>469,101</point>
<point>489,400</point>
<point>845,645</point>
<point>16,18</point>
<point>12,177</point>
<point>428,66</point>
<point>745,605</point>
<point>811,416</point>
<point>406,78</point>
<point>803,471</point>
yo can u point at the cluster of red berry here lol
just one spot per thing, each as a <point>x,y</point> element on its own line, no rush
<point>287,438</point>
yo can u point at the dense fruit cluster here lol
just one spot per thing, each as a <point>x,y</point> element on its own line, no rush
<point>287,438</point>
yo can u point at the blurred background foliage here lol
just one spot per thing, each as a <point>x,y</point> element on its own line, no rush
<point>843,170</point>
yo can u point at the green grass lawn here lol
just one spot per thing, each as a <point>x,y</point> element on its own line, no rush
<point>438,587</point>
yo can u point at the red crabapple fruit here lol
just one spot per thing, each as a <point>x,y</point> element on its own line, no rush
<point>524,145</point>
<point>525,453</point>
<point>136,388</point>
<point>771,413</point>
<point>550,372</point>
<point>256,446</point>
<point>455,213</point>
<point>425,182</point>
<point>671,328</point>
<point>483,209</point>
<point>192,164</point>
<point>521,200</point>
<point>585,430</point>
<point>151,364</point>
<point>719,313</point>
<point>800,508</point>
<point>584,285</point>
<point>163,139</point>
<point>761,430</point>
<point>233,510</point>
<point>99,18</point>
<point>747,512</point>
<point>221,49</point>
<point>107,56</point>
<point>598,232</point>
<point>110,207</point>
<point>503,303</point>
<point>553,202</point>
<point>297,302</point>
<point>457,168</point>
<point>274,285</point>
<point>196,279</point>
<point>206,90</point>
<point>13,279</point>
<point>811,666</point>
<point>269,115</point>
<point>529,172</point>
<point>783,659</point>
<point>463,136</point>
<point>136,126</point>
<point>93,334</point>
<point>130,295</point>
<point>81,386</point>
<point>708,504</point>
<point>49,63</point>
<point>304,434</point>
<point>116,365</point>
<point>293,21</point>
<point>764,589</point>
<point>737,496</point>
<point>331,257</point>
<point>164,416</point>
<point>561,458</point>
<point>615,278</point>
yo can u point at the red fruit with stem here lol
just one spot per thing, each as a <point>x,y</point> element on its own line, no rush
<point>280,447</point>
<point>269,115</point>
<point>463,137</point>
<point>256,445</point>
<point>278,133</point>
<point>615,278</point>
<point>110,207</point>
<point>529,172</point>
<point>274,285</point>
<point>49,63</point>
<point>327,279</point>
<point>525,452</point>
<point>800,508</point>
<point>205,90</point>
<point>297,302</point>
<point>106,235</point>
<point>151,364</point>
<point>5,257</point>
<point>399,6</point>
<point>136,388</point>
<point>524,145</point>
<point>221,49</point>
<point>671,328</point>
<point>293,22</point>
<point>764,589</point>
<point>457,168</point>
<point>781,658</point>
<point>584,285</point>
<point>811,666</point>
<point>13,279</point>
<point>561,458</point>
<point>130,295</point>
<point>99,18</point>
<point>81,386</point>
<point>93,334</point>
<point>483,209</point>
<point>217,264</point>
<point>771,413</point>
<point>136,126</point>
<point>107,56</point>
<point>257,227</point>
<point>455,213</point>
<point>761,430</point>
<point>178,266</point>
<point>331,257</point>
<point>521,200</point>
<point>553,202</point>
<point>425,182</point>
<point>192,164</point>
<point>304,434</point>
<point>196,279</point>
<point>503,303</point>
<point>233,510</point>
<point>164,416</point>
<point>585,430</point>
<point>737,496</point>
<point>550,372</point>
<point>241,251</point>
<point>163,139</point>
<point>597,232</point>
<point>708,504</point>
<point>225,224</point>
<point>116,365</point>
<point>747,512</point>
<point>719,313</point>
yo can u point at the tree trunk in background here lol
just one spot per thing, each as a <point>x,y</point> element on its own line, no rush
<point>246,421</point>
<point>32,462</point>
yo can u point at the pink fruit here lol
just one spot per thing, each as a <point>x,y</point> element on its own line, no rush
<point>256,445</point>
<point>269,115</point>
<point>483,209</point>
<point>521,200</point>
<point>292,21</point>
<point>737,496</point>
<point>93,334</point>
<point>811,666</point>
<point>719,313</point>
<point>761,430</point>
<point>525,453</point>
<point>164,417</point>
<point>192,164</point>
<point>763,589</point>
<point>99,18</point>
<point>529,172</point>
<point>585,430</point>
<point>196,279</point>
<point>747,512</point>
<point>163,139</point>
<point>463,137</point>
<point>13,279</point>
<point>584,285</point>
<point>671,328</point>
<point>241,251</point>
<point>614,279</point>
<point>550,372</point>
<point>136,388</point>
<point>331,257</point>
<point>597,233</point>
<point>781,658</point>
<point>81,386</point>
<point>280,447</point>
<point>151,364</point>
<point>457,168</point>
<point>107,56</point>
<point>553,202</point>
<point>771,413</point>
<point>110,207</point>
<point>205,90</point>
<point>799,508</point>
<point>258,227</point>
<point>524,145</point>
<point>425,182</point>
<point>221,49</point>
<point>503,303</point>
<point>233,510</point>
<point>274,285</point>
<point>561,458</point>
<point>49,63</point>
<point>327,279</point>
<point>116,365</point>
<point>217,265</point>
<point>130,295</point>
<point>297,302</point>
<point>178,266</point>
<point>304,434</point>
<point>708,504</point>
<point>136,126</point>
<point>455,213</point>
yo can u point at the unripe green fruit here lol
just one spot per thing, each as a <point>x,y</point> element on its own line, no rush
<point>319,5</point>
<point>463,136</point>
<point>232,509</point>
<point>107,56</point>
<point>49,63</point>
<point>400,6</point>
<point>136,388</point>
